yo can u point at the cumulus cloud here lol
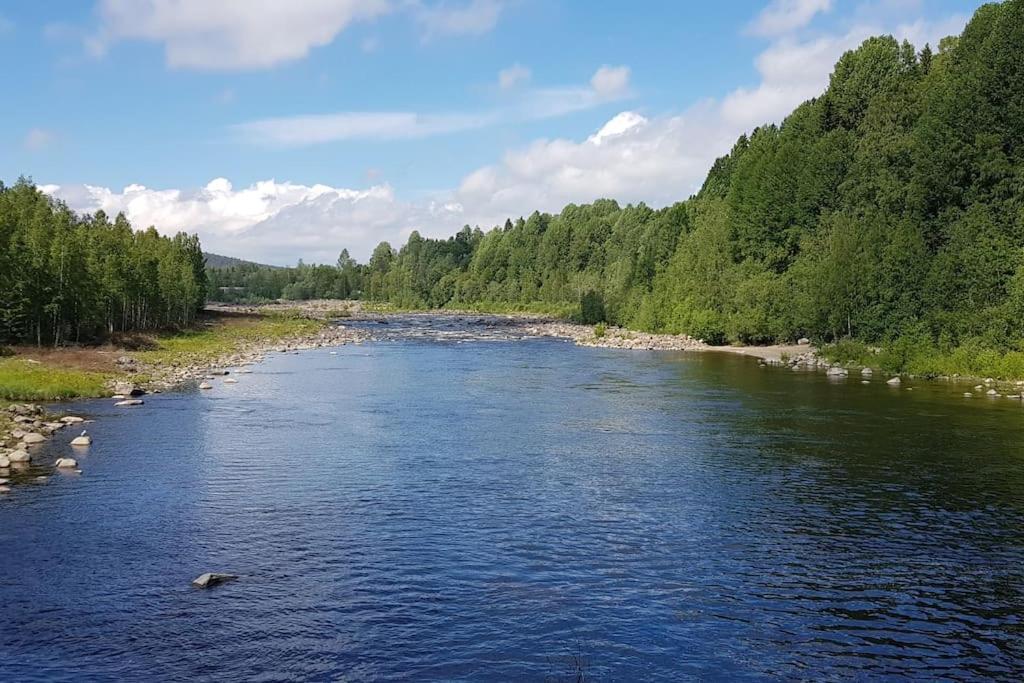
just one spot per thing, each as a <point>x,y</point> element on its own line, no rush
<point>471,18</point>
<point>38,138</point>
<point>268,221</point>
<point>784,16</point>
<point>230,34</point>
<point>514,75</point>
<point>607,85</point>
<point>610,81</point>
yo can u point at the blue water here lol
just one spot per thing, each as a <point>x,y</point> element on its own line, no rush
<point>524,511</point>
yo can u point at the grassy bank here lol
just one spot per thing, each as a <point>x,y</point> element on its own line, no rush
<point>924,359</point>
<point>25,380</point>
<point>223,335</point>
<point>82,372</point>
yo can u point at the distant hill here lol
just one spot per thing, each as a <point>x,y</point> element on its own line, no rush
<point>218,261</point>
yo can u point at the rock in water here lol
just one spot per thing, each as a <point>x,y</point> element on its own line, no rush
<point>837,372</point>
<point>71,419</point>
<point>230,380</point>
<point>209,580</point>
<point>867,372</point>
<point>895,381</point>
<point>83,440</point>
<point>33,438</point>
<point>205,385</point>
<point>66,462</point>
<point>130,402</point>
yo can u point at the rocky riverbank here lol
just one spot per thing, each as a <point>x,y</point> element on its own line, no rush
<point>162,375</point>
<point>25,428</point>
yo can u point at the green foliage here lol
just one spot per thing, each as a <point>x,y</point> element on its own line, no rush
<point>591,308</point>
<point>68,278</point>
<point>600,330</point>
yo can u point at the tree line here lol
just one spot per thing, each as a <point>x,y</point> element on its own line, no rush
<point>889,207</point>
<point>66,277</point>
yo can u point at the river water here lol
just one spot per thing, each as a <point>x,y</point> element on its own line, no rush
<point>416,509</point>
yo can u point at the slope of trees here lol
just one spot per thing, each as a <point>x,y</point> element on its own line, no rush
<point>890,207</point>
<point>65,277</point>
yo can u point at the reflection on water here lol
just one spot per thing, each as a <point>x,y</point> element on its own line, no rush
<point>482,511</point>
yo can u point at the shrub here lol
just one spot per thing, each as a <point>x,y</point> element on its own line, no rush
<point>592,308</point>
<point>600,329</point>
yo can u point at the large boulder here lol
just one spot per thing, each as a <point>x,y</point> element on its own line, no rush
<point>211,579</point>
<point>32,438</point>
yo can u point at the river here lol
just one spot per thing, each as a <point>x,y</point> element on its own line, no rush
<point>423,509</point>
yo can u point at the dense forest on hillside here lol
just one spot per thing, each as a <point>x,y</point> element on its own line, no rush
<point>889,208</point>
<point>66,277</point>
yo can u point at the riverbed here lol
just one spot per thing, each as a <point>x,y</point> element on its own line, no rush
<point>443,507</point>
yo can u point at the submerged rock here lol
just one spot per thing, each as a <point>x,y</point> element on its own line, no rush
<point>130,402</point>
<point>211,579</point>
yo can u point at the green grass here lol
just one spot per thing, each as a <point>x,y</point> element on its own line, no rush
<point>25,381</point>
<point>225,338</point>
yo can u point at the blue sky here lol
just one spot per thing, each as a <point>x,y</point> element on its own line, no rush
<point>293,128</point>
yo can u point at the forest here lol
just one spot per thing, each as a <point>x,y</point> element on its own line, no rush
<point>67,278</point>
<point>889,210</point>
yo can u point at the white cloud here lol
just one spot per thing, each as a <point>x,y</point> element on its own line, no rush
<point>517,74</point>
<point>784,16</point>
<point>38,139</point>
<point>611,81</point>
<point>230,34</point>
<point>607,85</point>
<point>471,18</point>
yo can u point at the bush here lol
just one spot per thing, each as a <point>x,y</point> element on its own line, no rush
<point>592,308</point>
<point>600,329</point>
